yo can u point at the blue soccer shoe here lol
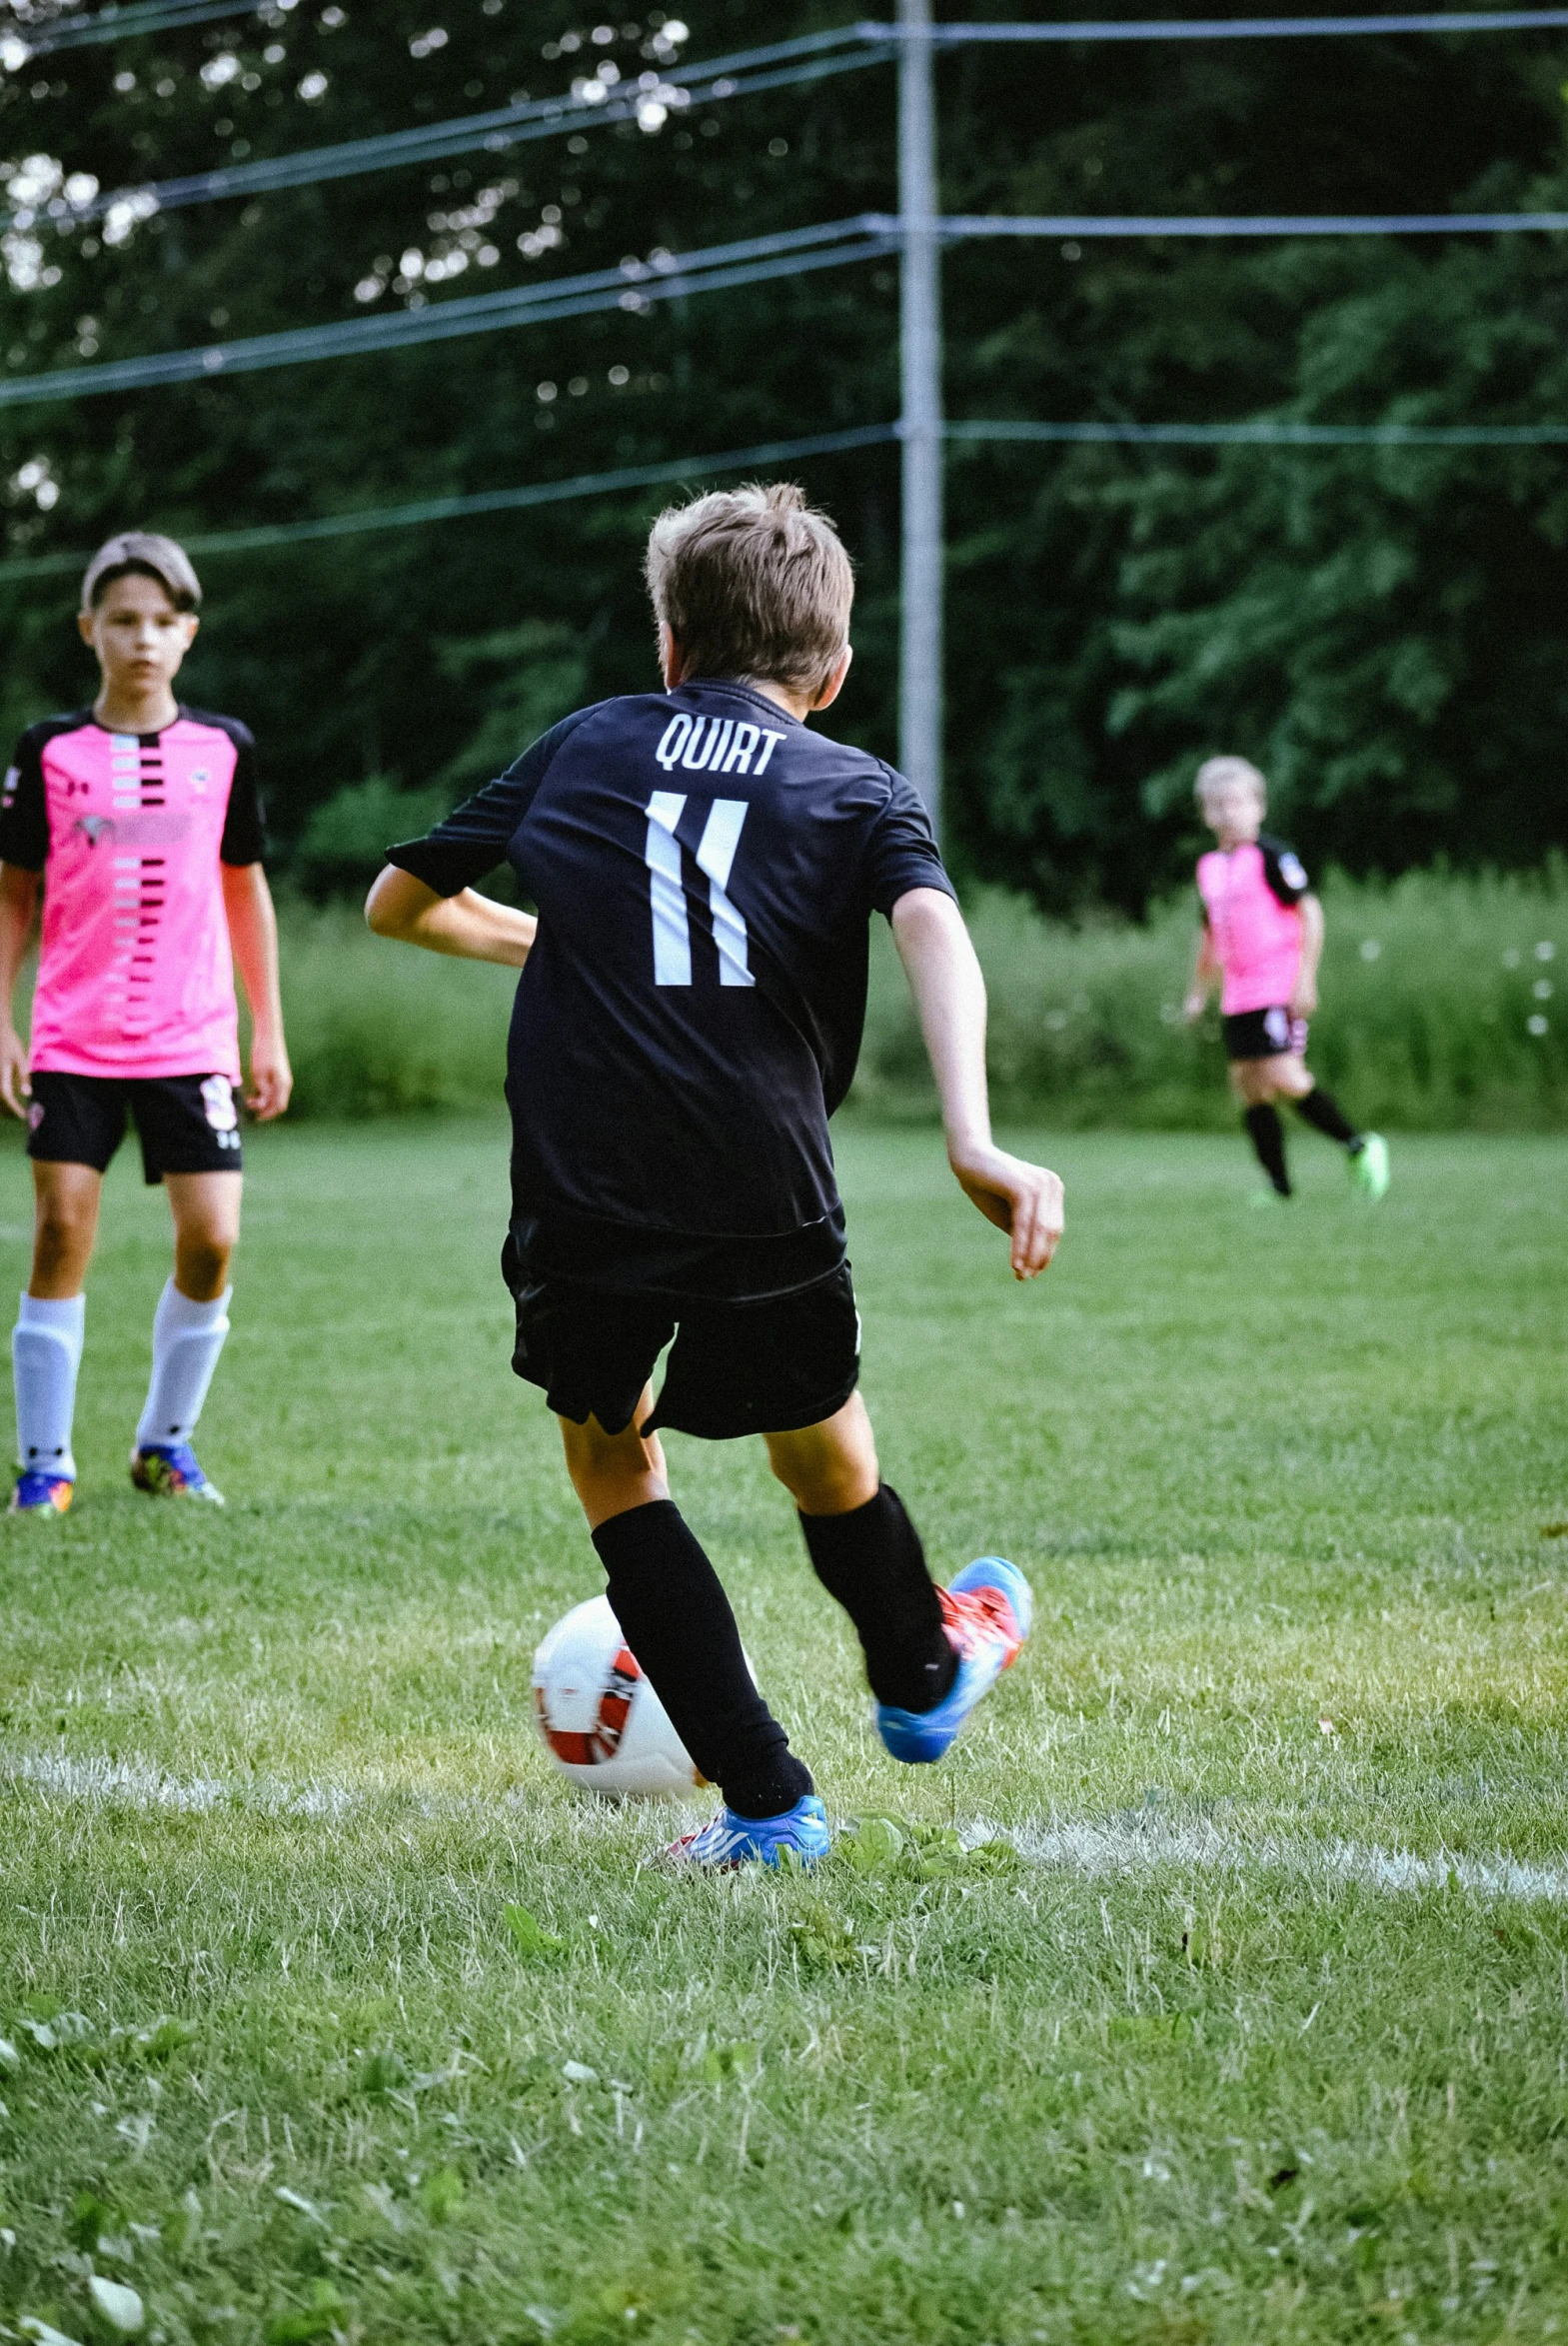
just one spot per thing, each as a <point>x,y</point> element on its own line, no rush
<point>45,1496</point>
<point>168,1469</point>
<point>730,1840</point>
<point>986,1615</point>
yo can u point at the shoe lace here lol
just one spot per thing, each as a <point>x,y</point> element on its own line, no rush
<point>976,1615</point>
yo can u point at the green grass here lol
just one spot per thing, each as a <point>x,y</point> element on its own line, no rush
<point>1250,2029</point>
<point>1428,991</point>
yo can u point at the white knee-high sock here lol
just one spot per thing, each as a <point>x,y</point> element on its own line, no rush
<point>46,1351</point>
<point>187,1338</point>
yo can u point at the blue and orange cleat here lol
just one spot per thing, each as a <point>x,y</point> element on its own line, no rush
<point>730,1840</point>
<point>40,1494</point>
<point>986,1615</point>
<point>168,1469</point>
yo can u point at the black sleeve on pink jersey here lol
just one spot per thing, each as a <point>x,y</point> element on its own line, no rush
<point>24,812</point>
<point>1285,871</point>
<point>244,840</point>
<point>474,837</point>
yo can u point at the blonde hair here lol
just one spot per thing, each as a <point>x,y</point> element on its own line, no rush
<point>752,582</point>
<point>1216,773</point>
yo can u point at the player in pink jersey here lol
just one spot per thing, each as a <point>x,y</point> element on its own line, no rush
<point>139,820</point>
<point>1262,937</point>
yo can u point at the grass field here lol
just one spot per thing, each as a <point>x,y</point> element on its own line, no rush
<point>1247,2025</point>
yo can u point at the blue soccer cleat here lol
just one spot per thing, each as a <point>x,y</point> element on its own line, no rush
<point>986,1615</point>
<point>45,1496</point>
<point>730,1840</point>
<point>168,1469</point>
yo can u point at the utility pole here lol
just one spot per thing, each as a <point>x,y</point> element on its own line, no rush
<point>920,641</point>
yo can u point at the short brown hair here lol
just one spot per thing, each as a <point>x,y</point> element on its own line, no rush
<point>752,582</point>
<point>143,553</point>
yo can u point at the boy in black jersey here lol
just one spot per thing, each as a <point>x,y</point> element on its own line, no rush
<point>689,1018</point>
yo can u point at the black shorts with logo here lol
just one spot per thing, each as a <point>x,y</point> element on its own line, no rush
<point>1263,1034</point>
<point>186,1123</point>
<point>767,1366</point>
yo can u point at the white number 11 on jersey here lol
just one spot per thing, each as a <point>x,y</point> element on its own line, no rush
<point>715,855</point>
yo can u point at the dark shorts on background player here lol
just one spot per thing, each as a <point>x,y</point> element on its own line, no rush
<point>1263,1034</point>
<point>759,1367</point>
<point>186,1123</point>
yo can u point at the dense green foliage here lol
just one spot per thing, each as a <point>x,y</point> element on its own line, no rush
<point>1376,627</point>
<point>1429,989</point>
<point>1247,2031</point>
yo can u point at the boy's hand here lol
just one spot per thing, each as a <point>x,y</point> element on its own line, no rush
<point>15,1089</point>
<point>1023,1199</point>
<point>1195,1004</point>
<point>272,1081</point>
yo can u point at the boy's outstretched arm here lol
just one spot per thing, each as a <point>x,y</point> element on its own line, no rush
<point>252,935</point>
<point>1205,969</point>
<point>949,994</point>
<point>1303,994</point>
<point>470,926</point>
<point>19,891</point>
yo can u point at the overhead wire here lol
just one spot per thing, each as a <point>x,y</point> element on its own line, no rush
<point>780,65</point>
<point>669,277</point>
<point>120,24</point>
<point>1260,433</point>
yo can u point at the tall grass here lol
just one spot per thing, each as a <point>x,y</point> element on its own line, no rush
<point>1429,988</point>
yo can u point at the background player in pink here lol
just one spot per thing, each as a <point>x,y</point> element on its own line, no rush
<point>138,820</point>
<point>1262,937</point>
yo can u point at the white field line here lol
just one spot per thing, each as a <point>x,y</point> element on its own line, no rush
<point>1094,1848</point>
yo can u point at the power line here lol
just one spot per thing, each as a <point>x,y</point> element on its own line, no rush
<point>672,276</point>
<point>1263,433</point>
<point>1252,28</point>
<point>1287,224</point>
<point>744,73</point>
<point>1268,432</point>
<point>117,24</point>
<point>740,75</point>
<point>633,288</point>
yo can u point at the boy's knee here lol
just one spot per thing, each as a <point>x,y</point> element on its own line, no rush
<point>202,1266</point>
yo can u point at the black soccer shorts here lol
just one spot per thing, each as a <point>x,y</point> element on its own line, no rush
<point>1263,1034</point>
<point>186,1123</point>
<point>735,1369</point>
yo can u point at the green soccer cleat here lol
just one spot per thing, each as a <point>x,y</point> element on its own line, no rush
<point>1369,1166</point>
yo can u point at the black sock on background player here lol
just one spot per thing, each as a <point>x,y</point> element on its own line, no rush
<point>1321,1109</point>
<point>1268,1136</point>
<point>676,1617</point>
<point>872,1561</point>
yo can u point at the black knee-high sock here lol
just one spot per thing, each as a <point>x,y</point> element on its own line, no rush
<point>1325,1112</point>
<point>677,1618</point>
<point>1267,1135</point>
<point>872,1561</point>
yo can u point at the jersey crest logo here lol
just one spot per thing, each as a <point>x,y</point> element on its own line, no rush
<point>93,828</point>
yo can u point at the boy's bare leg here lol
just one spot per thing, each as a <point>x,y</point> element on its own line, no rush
<point>614,1472</point>
<point>829,1468</point>
<point>866,1553</point>
<point>206,1209</point>
<point>677,1618</point>
<point>1257,1081</point>
<point>64,1224</point>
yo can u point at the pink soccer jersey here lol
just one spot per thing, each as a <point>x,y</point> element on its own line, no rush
<point>1250,895</point>
<point>135,976</point>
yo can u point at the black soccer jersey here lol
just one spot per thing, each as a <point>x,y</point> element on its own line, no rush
<point>705,868</point>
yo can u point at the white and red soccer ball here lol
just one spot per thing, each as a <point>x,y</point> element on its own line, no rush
<point>602,1724</point>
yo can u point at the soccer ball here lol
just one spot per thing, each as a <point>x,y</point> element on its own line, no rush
<point>602,1724</point>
